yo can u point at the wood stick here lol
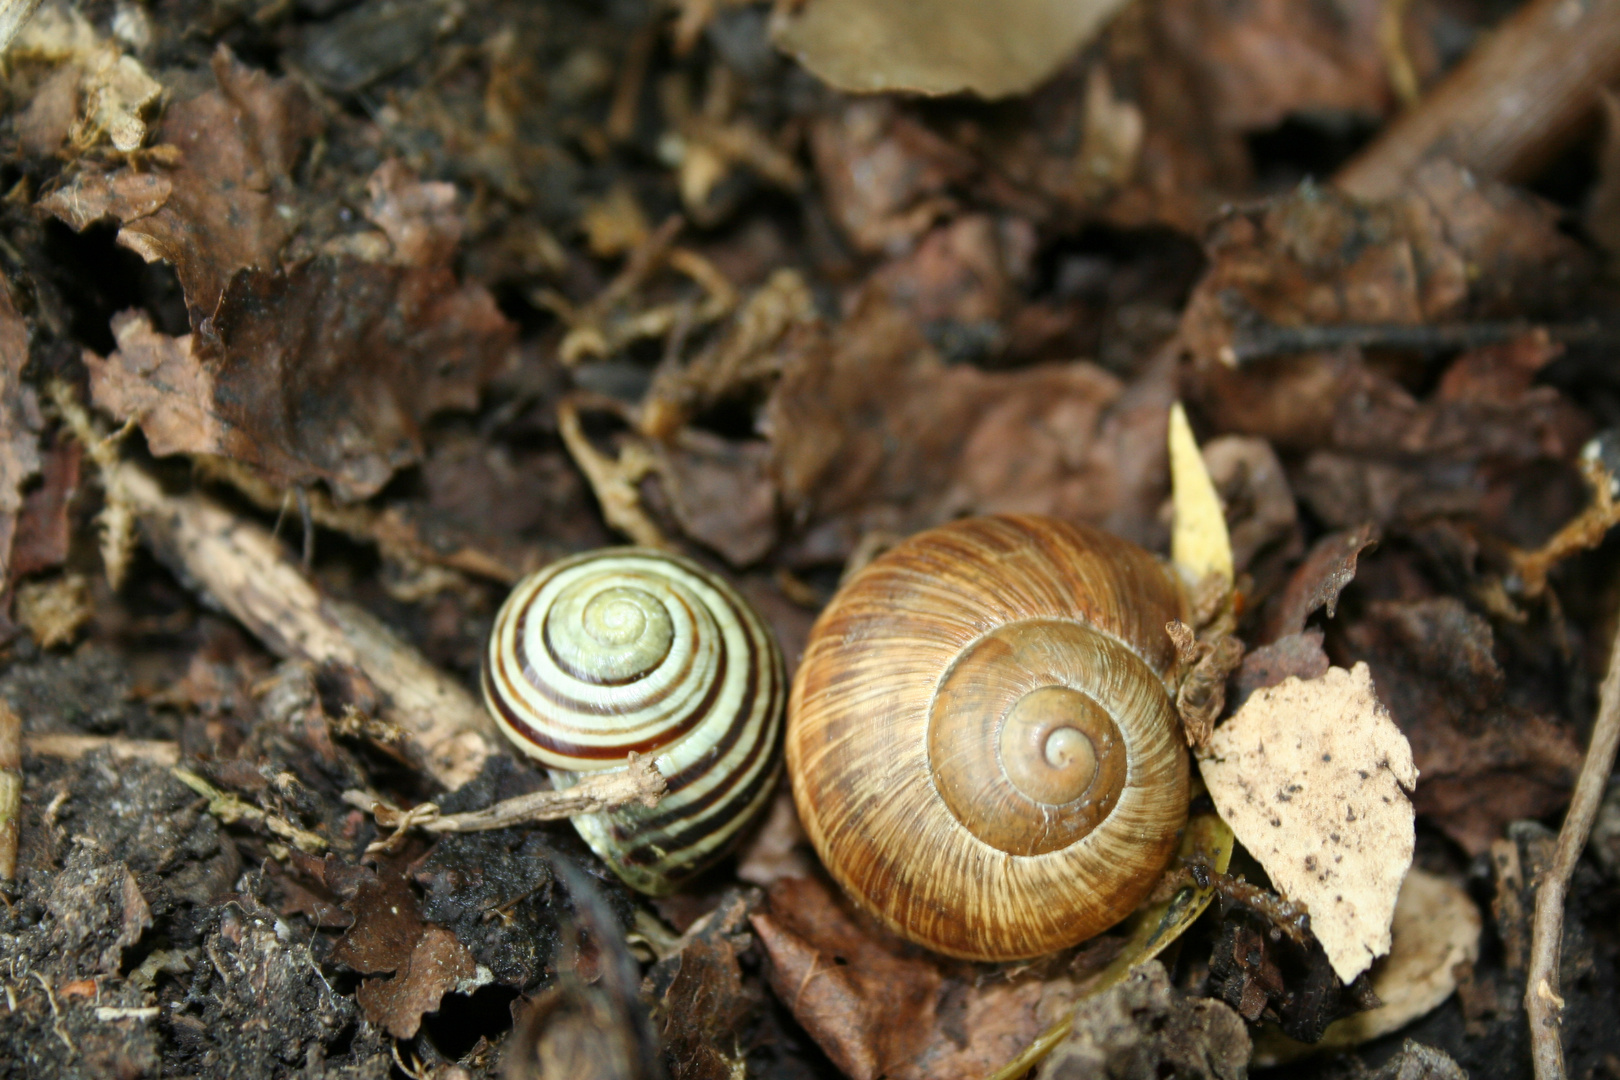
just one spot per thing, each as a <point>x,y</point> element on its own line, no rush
<point>1267,340</point>
<point>240,565</point>
<point>73,747</point>
<point>1505,110</point>
<point>1541,1000</point>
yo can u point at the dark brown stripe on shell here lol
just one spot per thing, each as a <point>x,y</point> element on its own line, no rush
<point>674,842</point>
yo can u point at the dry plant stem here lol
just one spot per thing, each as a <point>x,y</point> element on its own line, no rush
<point>1584,532</point>
<point>640,782</point>
<point>73,747</point>
<point>1541,1000</point>
<point>242,567</point>
<point>11,783</point>
<point>230,809</point>
<point>1268,341</point>
<point>613,479</point>
<point>639,266</point>
<point>1509,106</point>
<point>621,121</point>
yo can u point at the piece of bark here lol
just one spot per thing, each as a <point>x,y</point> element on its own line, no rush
<point>243,567</point>
<point>1508,108</point>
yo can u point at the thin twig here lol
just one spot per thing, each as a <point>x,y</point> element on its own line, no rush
<point>1541,1000</point>
<point>1263,342</point>
<point>73,747</point>
<point>229,809</point>
<point>1505,111</point>
<point>640,782</point>
<point>614,480</point>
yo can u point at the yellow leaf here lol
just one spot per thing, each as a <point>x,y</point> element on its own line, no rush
<point>1199,543</point>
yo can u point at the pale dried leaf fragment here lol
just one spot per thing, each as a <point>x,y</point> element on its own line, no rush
<point>56,609</point>
<point>119,96</point>
<point>993,48</point>
<point>162,383</point>
<point>1312,776</point>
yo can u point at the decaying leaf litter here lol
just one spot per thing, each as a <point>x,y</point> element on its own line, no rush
<point>325,322</point>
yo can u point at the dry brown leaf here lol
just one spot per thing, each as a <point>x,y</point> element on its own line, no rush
<point>125,195</point>
<point>437,965</point>
<point>422,220</point>
<point>885,176</point>
<point>229,206</point>
<point>1312,776</point>
<point>870,431</point>
<point>1146,1027</point>
<point>44,526</point>
<point>1452,246</point>
<point>1268,59</point>
<point>879,1008</point>
<point>323,373</point>
<point>1262,516</point>
<point>993,48</point>
<point>1486,758</point>
<point>1318,581</point>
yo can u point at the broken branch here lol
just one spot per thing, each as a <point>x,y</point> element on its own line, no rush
<point>1541,1000</point>
<point>639,782</point>
<point>242,566</point>
<point>1509,106</point>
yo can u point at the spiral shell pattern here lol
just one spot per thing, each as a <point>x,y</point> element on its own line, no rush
<point>982,745</point>
<point>636,650</point>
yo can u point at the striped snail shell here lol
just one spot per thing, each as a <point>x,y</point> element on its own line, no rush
<point>633,649</point>
<point>980,737</point>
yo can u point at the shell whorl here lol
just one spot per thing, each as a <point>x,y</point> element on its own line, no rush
<point>636,650</point>
<point>981,743</point>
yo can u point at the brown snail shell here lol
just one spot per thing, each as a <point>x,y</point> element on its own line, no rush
<point>982,745</point>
